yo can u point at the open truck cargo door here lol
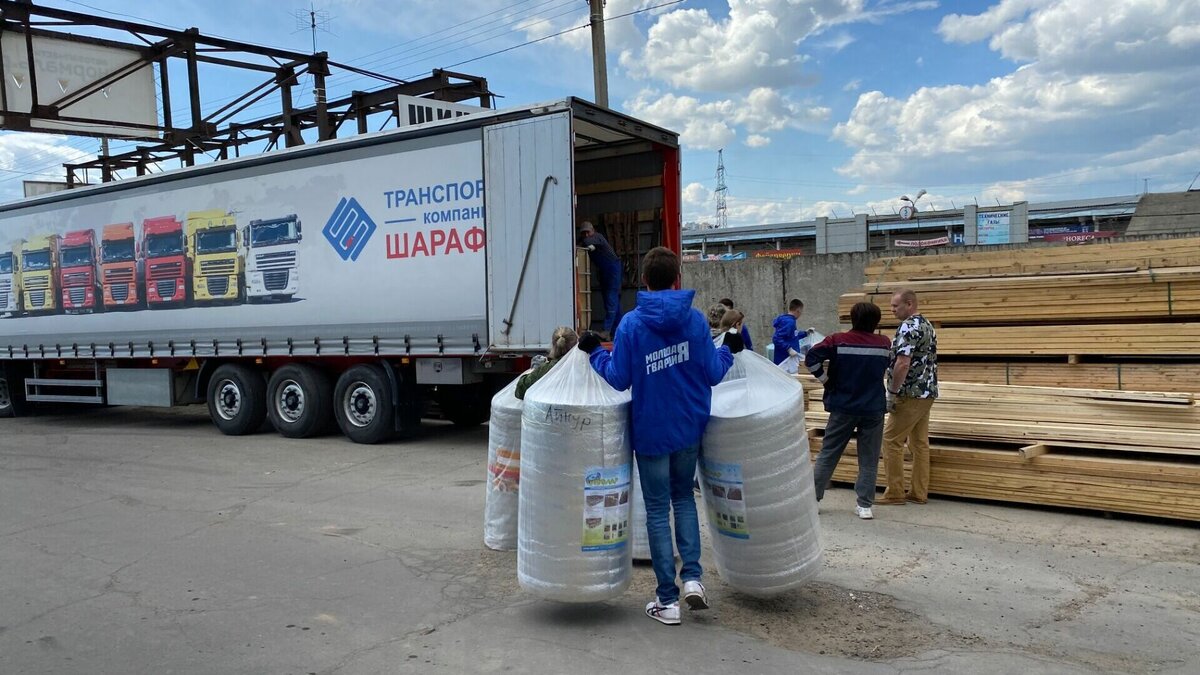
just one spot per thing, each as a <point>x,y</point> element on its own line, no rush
<point>530,230</point>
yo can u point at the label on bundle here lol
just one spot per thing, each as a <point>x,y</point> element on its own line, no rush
<point>725,497</point>
<point>505,470</point>
<point>605,507</point>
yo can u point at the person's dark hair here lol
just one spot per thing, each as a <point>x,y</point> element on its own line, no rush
<point>865,316</point>
<point>661,268</point>
<point>727,302</point>
<point>795,304</point>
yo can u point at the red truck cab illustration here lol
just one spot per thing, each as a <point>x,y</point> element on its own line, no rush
<point>77,272</point>
<point>168,268</point>
<point>119,266</point>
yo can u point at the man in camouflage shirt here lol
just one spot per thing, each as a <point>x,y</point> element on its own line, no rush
<point>912,388</point>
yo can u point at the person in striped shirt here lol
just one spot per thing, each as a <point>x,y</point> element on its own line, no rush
<point>851,366</point>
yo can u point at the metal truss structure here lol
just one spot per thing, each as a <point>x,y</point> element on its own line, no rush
<point>214,133</point>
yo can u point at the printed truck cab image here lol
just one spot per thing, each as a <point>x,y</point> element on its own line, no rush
<point>39,274</point>
<point>77,273</point>
<point>216,257</point>
<point>120,267</point>
<point>168,268</point>
<point>10,281</point>
<point>272,253</point>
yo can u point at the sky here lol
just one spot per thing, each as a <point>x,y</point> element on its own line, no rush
<point>822,107</point>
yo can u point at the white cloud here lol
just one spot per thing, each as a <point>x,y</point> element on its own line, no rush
<point>714,124</point>
<point>33,156</point>
<point>838,41</point>
<point>757,44</point>
<point>853,85</point>
<point>757,141</point>
<point>1183,36</point>
<point>1116,83</point>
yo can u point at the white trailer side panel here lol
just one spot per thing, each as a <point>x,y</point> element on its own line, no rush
<point>528,162</point>
<point>392,257</point>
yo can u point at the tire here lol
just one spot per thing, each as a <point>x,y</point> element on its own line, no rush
<point>300,401</point>
<point>237,400</point>
<point>12,395</point>
<point>363,406</point>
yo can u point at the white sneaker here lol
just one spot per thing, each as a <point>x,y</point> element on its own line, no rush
<point>668,614</point>
<point>864,512</point>
<point>694,595</point>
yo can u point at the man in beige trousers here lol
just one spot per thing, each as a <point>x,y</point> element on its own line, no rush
<point>912,388</point>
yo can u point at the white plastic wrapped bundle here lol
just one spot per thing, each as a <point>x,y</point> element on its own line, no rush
<point>503,471</point>
<point>573,531</point>
<point>758,482</point>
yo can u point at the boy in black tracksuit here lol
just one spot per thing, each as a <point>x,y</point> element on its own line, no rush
<point>854,398</point>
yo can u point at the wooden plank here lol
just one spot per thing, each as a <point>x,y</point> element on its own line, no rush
<point>1030,451</point>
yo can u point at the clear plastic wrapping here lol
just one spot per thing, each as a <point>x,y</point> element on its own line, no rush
<point>574,526</point>
<point>503,471</point>
<point>758,482</point>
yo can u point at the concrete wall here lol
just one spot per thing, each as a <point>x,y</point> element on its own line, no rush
<point>762,287</point>
<point>1166,213</point>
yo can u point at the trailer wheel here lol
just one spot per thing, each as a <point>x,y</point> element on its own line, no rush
<point>363,404</point>
<point>237,400</point>
<point>300,401</point>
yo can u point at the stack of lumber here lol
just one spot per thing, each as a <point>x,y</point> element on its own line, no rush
<point>1127,452</point>
<point>1057,368</point>
<point>1121,314</point>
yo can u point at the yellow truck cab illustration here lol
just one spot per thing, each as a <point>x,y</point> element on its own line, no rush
<point>10,281</point>
<point>214,245</point>
<point>39,274</point>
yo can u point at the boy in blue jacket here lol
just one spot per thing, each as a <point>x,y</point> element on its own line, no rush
<point>854,399</point>
<point>663,350</point>
<point>787,336</point>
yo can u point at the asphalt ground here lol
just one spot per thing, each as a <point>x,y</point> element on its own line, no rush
<point>143,541</point>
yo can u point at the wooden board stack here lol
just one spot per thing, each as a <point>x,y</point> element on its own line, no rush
<point>1056,365</point>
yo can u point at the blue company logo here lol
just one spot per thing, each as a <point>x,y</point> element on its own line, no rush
<point>349,228</point>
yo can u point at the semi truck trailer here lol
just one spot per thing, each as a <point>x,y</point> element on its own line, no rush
<point>120,267</point>
<point>443,257</point>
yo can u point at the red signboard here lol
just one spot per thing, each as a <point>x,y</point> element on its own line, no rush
<point>780,253</point>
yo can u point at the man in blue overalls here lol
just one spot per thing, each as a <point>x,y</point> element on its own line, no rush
<point>608,267</point>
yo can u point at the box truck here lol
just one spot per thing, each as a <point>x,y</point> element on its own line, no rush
<point>443,257</point>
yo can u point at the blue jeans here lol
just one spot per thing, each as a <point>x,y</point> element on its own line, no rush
<point>838,431</point>
<point>610,284</point>
<point>667,485</point>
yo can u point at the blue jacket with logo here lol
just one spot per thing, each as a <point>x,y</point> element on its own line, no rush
<point>664,351</point>
<point>786,337</point>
